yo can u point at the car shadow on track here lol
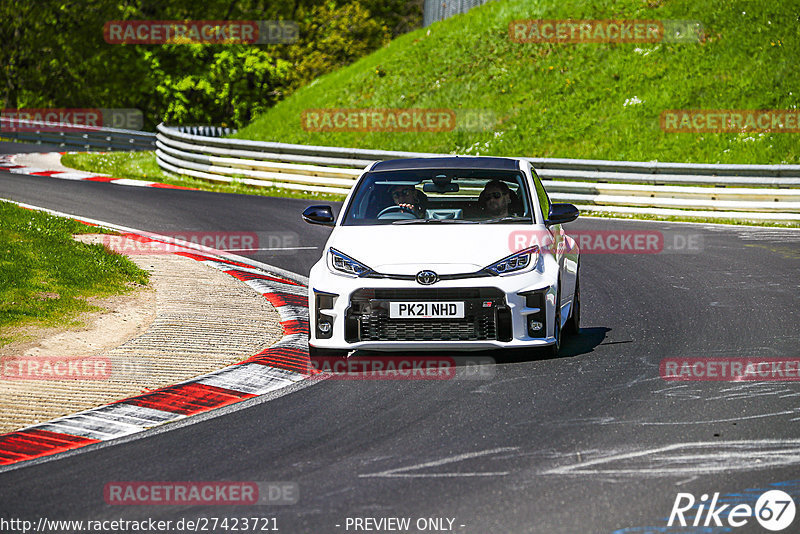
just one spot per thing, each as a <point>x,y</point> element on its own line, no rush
<point>571,346</point>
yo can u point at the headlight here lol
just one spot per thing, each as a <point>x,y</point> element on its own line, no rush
<point>345,264</point>
<point>515,262</point>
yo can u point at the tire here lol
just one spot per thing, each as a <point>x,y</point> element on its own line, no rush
<point>314,352</point>
<point>552,350</point>
<point>573,326</point>
<point>325,360</point>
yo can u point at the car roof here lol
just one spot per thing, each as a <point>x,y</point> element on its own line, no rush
<point>451,162</point>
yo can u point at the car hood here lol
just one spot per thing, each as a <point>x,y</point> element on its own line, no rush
<point>443,248</point>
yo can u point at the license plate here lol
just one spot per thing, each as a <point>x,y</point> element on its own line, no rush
<point>426,310</point>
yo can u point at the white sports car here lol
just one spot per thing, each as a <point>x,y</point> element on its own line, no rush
<point>461,253</point>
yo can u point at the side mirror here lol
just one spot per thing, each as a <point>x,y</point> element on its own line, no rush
<point>319,215</point>
<point>561,213</point>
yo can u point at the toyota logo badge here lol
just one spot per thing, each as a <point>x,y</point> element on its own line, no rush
<point>427,278</point>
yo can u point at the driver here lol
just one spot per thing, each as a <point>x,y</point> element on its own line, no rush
<point>409,197</point>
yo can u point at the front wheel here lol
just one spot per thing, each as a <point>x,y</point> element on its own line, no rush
<point>314,352</point>
<point>552,350</point>
<point>573,325</point>
<point>325,360</point>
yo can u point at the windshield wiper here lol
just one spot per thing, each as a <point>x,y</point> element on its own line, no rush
<point>435,221</point>
<point>507,219</point>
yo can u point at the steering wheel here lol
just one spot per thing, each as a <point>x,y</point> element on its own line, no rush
<point>398,210</point>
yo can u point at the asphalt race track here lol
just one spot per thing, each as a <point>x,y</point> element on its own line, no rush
<point>594,441</point>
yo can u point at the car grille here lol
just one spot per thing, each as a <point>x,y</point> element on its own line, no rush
<point>368,319</point>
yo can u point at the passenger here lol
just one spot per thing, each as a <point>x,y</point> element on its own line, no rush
<point>496,200</point>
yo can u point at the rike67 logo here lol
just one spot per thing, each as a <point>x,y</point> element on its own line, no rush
<point>774,510</point>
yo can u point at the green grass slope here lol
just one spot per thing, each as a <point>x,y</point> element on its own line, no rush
<point>569,100</point>
<point>46,276</point>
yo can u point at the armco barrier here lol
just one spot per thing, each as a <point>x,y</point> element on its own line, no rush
<point>756,192</point>
<point>76,137</point>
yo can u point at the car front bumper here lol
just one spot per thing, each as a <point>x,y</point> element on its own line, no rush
<point>356,311</point>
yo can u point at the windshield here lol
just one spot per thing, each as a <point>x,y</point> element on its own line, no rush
<point>436,196</point>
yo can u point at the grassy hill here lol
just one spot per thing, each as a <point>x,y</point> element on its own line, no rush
<point>586,100</point>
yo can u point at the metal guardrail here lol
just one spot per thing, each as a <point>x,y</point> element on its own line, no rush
<point>206,131</point>
<point>76,137</point>
<point>769,192</point>
<point>436,10</point>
